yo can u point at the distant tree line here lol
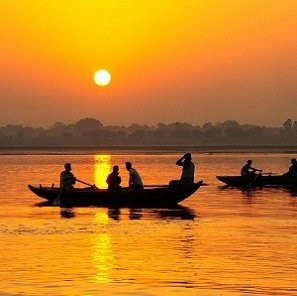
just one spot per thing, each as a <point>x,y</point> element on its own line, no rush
<point>91,132</point>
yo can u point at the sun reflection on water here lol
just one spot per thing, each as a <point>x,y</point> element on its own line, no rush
<point>102,251</point>
<point>102,167</point>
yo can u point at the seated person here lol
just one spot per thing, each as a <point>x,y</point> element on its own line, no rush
<point>292,172</point>
<point>188,171</point>
<point>113,179</point>
<point>248,170</point>
<point>135,181</point>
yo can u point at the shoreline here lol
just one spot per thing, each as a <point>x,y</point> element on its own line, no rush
<point>84,150</point>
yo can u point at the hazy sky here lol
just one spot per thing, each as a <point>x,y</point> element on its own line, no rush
<point>170,60</point>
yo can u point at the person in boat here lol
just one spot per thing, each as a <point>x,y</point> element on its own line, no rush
<point>188,171</point>
<point>67,180</point>
<point>113,179</point>
<point>292,172</point>
<point>248,170</point>
<point>135,181</point>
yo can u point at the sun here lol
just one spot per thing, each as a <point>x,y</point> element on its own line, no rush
<point>102,77</point>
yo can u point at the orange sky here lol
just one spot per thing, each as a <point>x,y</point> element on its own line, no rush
<point>189,61</point>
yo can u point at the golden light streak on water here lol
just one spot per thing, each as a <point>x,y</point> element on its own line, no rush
<point>102,167</point>
<point>102,255</point>
<point>101,218</point>
<point>102,258</point>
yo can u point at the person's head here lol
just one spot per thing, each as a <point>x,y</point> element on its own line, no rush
<point>128,165</point>
<point>249,162</point>
<point>293,161</point>
<point>115,169</point>
<point>188,157</point>
<point>67,166</point>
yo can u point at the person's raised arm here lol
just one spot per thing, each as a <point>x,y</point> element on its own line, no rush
<point>181,160</point>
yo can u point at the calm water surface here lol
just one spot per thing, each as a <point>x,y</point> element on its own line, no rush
<point>219,242</point>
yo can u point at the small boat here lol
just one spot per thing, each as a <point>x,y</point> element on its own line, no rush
<point>258,180</point>
<point>152,197</point>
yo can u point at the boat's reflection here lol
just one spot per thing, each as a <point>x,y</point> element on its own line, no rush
<point>250,191</point>
<point>134,214</point>
<point>43,204</point>
<point>177,213</point>
<point>246,191</point>
<point>292,191</point>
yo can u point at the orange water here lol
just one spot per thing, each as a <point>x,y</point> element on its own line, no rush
<point>220,242</point>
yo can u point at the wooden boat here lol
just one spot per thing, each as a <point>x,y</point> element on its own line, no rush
<point>159,196</point>
<point>258,180</point>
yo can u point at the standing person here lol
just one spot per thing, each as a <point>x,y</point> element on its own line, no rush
<point>135,181</point>
<point>248,170</point>
<point>67,180</point>
<point>113,179</point>
<point>188,170</point>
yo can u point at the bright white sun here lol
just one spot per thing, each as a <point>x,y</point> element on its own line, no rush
<point>102,77</point>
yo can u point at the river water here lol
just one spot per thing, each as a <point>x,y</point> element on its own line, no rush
<point>221,241</point>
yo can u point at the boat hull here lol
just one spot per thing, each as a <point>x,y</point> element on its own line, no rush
<point>165,196</point>
<point>259,180</point>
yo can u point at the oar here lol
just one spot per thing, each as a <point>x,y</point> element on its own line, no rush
<point>85,183</point>
<point>160,186</point>
<point>269,173</point>
<point>257,176</point>
<point>164,186</point>
<point>56,201</point>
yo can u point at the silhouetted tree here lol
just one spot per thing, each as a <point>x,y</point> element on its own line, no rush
<point>88,124</point>
<point>288,124</point>
<point>89,131</point>
<point>58,126</point>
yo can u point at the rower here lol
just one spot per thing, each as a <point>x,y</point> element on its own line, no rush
<point>67,180</point>
<point>248,170</point>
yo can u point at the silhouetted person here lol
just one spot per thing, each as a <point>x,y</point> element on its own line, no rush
<point>188,171</point>
<point>292,172</point>
<point>248,170</point>
<point>67,180</point>
<point>135,181</point>
<point>113,179</point>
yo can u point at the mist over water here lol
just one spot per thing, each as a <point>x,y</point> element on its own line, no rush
<point>220,241</point>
